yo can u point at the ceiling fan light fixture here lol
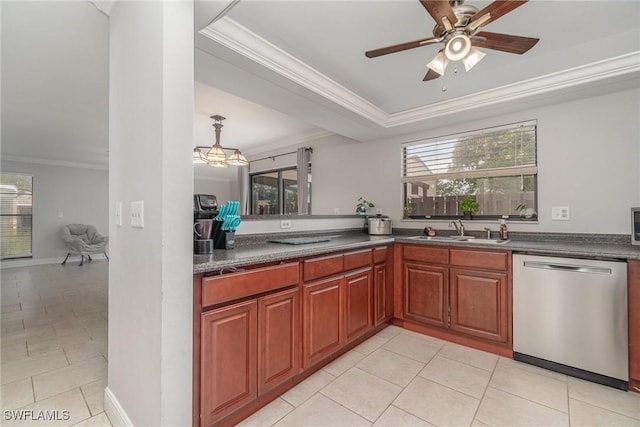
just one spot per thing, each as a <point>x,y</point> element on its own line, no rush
<point>237,159</point>
<point>474,56</point>
<point>457,47</point>
<point>439,63</point>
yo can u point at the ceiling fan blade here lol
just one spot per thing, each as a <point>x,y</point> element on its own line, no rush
<point>503,42</point>
<point>400,47</point>
<point>430,75</point>
<point>437,9</point>
<point>498,9</point>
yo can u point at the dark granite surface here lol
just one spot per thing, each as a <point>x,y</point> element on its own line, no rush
<point>256,249</point>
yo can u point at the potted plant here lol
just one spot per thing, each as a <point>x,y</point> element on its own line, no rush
<point>468,206</point>
<point>408,210</point>
<point>363,205</point>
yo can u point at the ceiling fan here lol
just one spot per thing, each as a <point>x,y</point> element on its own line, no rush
<point>457,26</point>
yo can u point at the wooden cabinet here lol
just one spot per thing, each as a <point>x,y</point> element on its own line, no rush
<point>323,318</point>
<point>426,293</point>
<point>340,295</point>
<point>464,291</point>
<point>228,357</point>
<point>479,304</point>
<point>382,285</point>
<point>256,331</point>
<point>358,299</point>
<point>278,339</point>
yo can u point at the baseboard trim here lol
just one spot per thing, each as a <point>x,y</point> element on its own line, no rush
<point>30,262</point>
<point>114,410</point>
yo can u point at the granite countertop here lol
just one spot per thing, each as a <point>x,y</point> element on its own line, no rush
<point>261,251</point>
<point>247,254</point>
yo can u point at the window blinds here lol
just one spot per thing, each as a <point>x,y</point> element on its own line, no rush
<point>500,151</point>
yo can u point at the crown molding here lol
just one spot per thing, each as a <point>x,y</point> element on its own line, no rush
<point>243,41</point>
<point>50,162</point>
<point>572,77</point>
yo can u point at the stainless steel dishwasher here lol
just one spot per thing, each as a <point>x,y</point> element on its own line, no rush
<point>570,315</point>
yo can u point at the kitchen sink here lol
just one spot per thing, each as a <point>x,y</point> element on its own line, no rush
<point>466,239</point>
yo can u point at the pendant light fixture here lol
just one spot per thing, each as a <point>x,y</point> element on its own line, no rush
<point>215,155</point>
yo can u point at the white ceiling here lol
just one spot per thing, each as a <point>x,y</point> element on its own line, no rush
<point>288,71</point>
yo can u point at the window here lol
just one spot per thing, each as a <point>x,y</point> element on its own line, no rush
<point>276,192</point>
<point>496,167</point>
<point>16,196</point>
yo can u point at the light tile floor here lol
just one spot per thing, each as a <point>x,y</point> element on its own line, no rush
<point>54,357</point>
<point>401,378</point>
<point>53,344</point>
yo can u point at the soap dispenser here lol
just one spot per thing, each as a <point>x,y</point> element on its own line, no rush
<point>504,233</point>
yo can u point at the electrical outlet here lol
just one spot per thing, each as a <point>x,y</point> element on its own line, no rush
<point>560,213</point>
<point>379,211</point>
<point>336,211</point>
<point>119,214</point>
<point>285,223</point>
<point>137,214</point>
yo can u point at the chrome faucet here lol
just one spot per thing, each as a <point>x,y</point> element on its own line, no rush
<point>460,229</point>
<point>488,230</point>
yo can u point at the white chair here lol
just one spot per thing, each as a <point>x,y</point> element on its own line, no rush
<point>83,240</point>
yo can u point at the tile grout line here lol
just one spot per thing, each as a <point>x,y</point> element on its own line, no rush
<point>475,414</point>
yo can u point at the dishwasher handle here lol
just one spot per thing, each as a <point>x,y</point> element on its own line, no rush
<point>567,267</point>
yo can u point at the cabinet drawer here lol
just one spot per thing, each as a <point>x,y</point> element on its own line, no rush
<point>379,255</point>
<point>321,267</point>
<point>480,259</point>
<point>229,287</point>
<point>426,254</point>
<point>357,259</point>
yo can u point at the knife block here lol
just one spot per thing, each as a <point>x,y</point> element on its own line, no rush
<point>222,239</point>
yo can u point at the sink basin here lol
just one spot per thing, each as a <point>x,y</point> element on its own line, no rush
<point>466,239</point>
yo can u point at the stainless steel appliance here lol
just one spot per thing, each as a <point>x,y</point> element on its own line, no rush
<point>635,226</point>
<point>570,315</point>
<point>378,225</point>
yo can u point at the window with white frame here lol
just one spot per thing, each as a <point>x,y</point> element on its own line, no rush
<point>495,167</point>
<point>16,199</point>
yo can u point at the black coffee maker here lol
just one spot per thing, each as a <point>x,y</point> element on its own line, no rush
<point>205,208</point>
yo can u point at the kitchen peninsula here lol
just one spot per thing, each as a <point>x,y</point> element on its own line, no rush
<point>268,315</point>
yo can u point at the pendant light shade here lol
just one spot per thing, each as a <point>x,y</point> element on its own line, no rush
<point>197,156</point>
<point>237,159</point>
<point>472,58</point>
<point>215,155</point>
<point>439,63</point>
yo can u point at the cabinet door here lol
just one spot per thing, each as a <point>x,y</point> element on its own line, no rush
<point>426,294</point>
<point>380,294</point>
<point>228,360</point>
<point>278,339</point>
<point>323,318</point>
<point>358,303</point>
<point>479,304</point>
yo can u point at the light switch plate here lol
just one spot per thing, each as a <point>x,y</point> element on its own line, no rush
<point>137,214</point>
<point>560,213</point>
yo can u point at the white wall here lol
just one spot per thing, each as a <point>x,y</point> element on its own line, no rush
<point>588,153</point>
<point>150,273</point>
<point>79,194</point>
<point>221,188</point>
